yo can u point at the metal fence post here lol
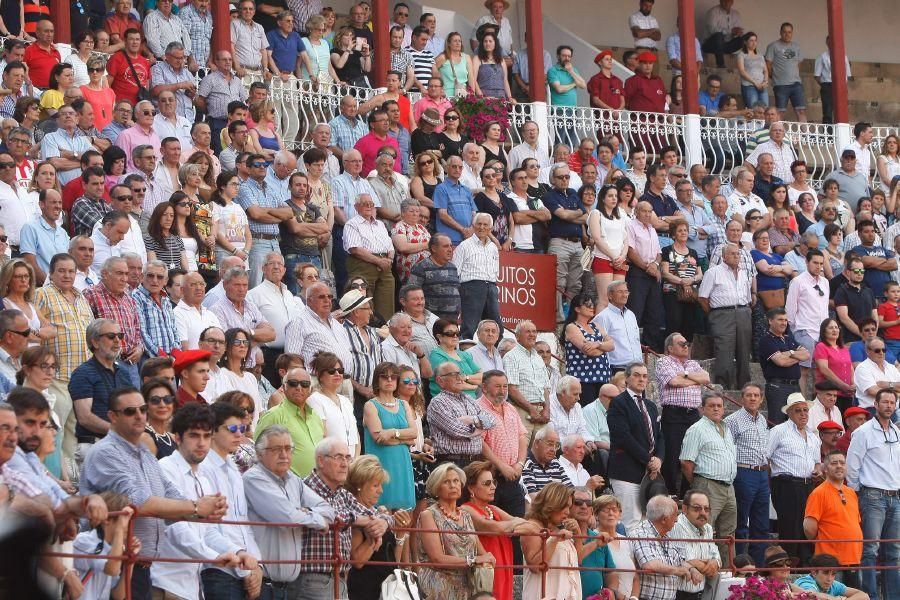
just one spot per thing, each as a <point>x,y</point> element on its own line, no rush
<point>541,116</point>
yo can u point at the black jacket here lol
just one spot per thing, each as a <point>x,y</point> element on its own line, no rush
<point>629,446</point>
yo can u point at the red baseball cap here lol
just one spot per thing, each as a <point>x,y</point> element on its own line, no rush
<point>602,55</point>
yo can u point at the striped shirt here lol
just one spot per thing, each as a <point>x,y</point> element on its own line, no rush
<point>71,320</point>
<point>119,308</point>
<point>525,369</point>
<point>710,447</point>
<point>158,328</point>
<point>18,482</point>
<point>345,133</point>
<point>669,367</point>
<point>118,465</point>
<point>791,454</point>
<point>476,260</point>
<point>346,188</point>
<point>536,476</point>
<point>252,193</point>
<point>247,318</point>
<point>423,61</point>
<point>370,235</point>
<point>219,91</point>
<point>365,356</point>
<point>308,334</point>
<point>199,27</point>
<point>723,289</point>
<point>448,433</point>
<point>655,586</point>
<point>751,437</point>
<point>695,550</point>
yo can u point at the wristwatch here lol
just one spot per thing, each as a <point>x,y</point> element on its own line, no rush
<point>686,373</point>
<point>396,434</point>
<point>790,353</point>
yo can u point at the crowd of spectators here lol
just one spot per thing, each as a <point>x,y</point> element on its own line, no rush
<point>198,324</point>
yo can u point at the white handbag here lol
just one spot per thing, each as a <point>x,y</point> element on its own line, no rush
<point>400,585</point>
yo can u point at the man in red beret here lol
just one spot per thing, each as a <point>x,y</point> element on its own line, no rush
<point>605,89</point>
<point>192,368</point>
<point>645,91</point>
<point>853,418</point>
<point>829,433</point>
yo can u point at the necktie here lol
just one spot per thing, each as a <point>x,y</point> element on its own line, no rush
<point>647,423</point>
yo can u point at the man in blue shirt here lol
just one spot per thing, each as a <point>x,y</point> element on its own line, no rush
<point>868,329</point>
<point>878,261</point>
<point>821,579</point>
<point>709,98</point>
<point>454,204</point>
<point>287,47</point>
<point>664,207</point>
<point>567,217</point>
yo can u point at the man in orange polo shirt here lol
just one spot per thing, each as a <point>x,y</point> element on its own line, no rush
<point>832,513</point>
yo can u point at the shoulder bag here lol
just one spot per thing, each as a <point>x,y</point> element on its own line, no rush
<point>143,93</point>
<point>400,585</point>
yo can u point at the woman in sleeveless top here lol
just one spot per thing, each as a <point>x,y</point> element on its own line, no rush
<point>586,345</point>
<point>265,135</point>
<point>160,398</point>
<point>319,51</point>
<point>550,510</point>
<point>606,228</point>
<point>454,67</point>
<point>492,79</point>
<point>17,285</point>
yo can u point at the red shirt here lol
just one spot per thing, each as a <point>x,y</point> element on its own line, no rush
<point>124,84</point>
<point>890,312</point>
<point>608,89</point>
<point>575,162</point>
<point>182,397</point>
<point>117,24</point>
<point>40,62</point>
<point>647,94</point>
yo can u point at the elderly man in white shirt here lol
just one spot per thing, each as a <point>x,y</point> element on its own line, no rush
<point>278,306</point>
<point>743,200</point>
<point>780,151</point>
<point>873,374</point>
<point>314,329</point>
<point>399,348</point>
<point>108,237</point>
<point>567,418</point>
<point>121,198</point>
<point>528,148</point>
<point>191,317</point>
<point>477,261</point>
<point>574,452</point>
<point>693,524</point>
<point>485,353</point>
<point>620,323</point>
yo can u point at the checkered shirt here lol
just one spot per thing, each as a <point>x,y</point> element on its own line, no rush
<point>252,192</point>
<point>751,437</point>
<point>157,322</point>
<point>345,134</point>
<point>526,371</point>
<point>449,435</point>
<point>18,482</point>
<point>653,586</point>
<point>71,320</point>
<point>121,309</point>
<point>669,367</point>
<point>199,28</point>
<point>86,213</point>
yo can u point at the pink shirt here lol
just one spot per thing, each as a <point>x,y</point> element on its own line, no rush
<point>807,306</point>
<point>838,361</point>
<point>503,438</point>
<point>369,145</point>
<point>643,239</point>
<point>133,137</point>
<point>425,103</point>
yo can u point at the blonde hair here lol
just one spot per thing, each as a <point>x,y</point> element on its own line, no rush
<point>6,276</point>
<point>364,469</point>
<point>315,21</point>
<point>552,498</point>
<point>604,501</point>
<point>260,109</point>
<point>186,170</point>
<point>438,476</point>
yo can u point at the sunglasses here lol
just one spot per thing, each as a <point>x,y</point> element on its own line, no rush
<point>183,204</point>
<point>148,113</point>
<point>450,333</point>
<point>241,342</point>
<point>7,165</point>
<point>410,380</point>
<point>235,428</point>
<point>488,483</point>
<point>818,289</point>
<point>426,162</point>
<point>335,371</point>
<point>388,376</point>
<point>24,333</point>
<point>858,271</point>
<point>297,382</point>
<point>580,502</point>
<point>124,198</point>
<point>359,286</point>
<point>131,410</point>
<point>95,69</point>
<point>113,336</point>
<point>451,118</point>
<point>877,350</point>
<point>157,400</point>
<point>257,165</point>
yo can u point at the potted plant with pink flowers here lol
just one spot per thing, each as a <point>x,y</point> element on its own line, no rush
<point>478,111</point>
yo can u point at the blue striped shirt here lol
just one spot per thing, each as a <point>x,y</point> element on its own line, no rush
<point>252,192</point>
<point>345,133</point>
<point>158,330</point>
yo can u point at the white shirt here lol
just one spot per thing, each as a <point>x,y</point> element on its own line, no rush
<point>822,68</point>
<point>574,178</point>
<point>132,242</point>
<point>724,289</point>
<point>740,204</point>
<point>818,414</point>
<point>695,550</point>
<point>577,474</point>
<point>277,305</point>
<point>518,155</point>
<point>791,454</point>
<point>873,459</point>
<point>621,325</point>
<point>638,19</point>
<point>181,129</point>
<point>523,238</point>
<point>81,278</point>
<point>184,539</point>
<point>217,385</point>
<point>391,351</point>
<point>476,260</point>
<point>339,420</point>
<point>569,422</point>
<point>103,249</point>
<point>866,374</point>
<point>190,323</point>
<point>16,212</point>
<point>308,334</point>
<point>245,382</point>
<point>782,154</point>
<point>214,295</point>
<point>225,479</point>
<point>863,157</point>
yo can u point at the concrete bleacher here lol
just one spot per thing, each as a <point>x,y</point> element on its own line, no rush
<point>874,88</point>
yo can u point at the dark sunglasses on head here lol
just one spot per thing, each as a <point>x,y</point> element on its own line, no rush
<point>157,400</point>
<point>131,410</point>
<point>297,382</point>
<point>235,428</point>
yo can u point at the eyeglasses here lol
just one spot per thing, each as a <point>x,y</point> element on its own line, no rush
<point>450,333</point>
<point>388,376</point>
<point>182,204</point>
<point>454,374</point>
<point>280,449</point>
<point>235,428</point>
<point>754,218</point>
<point>335,371</point>
<point>818,289</point>
<point>241,342</point>
<point>410,380</point>
<point>19,140</point>
<point>684,344</point>
<point>257,165</point>
<point>359,286</point>
<point>157,276</point>
<point>550,444</point>
<point>124,198</point>
<point>580,502</point>
<point>48,368</point>
<point>95,69</point>
<point>561,176</point>
<point>7,165</point>
<point>148,113</point>
<point>113,336</point>
<point>698,508</point>
<point>426,162</point>
<point>451,118</point>
<point>341,458</point>
<point>877,350</point>
<point>843,498</point>
<point>858,271</point>
<point>304,383</point>
<point>214,341</point>
<point>24,333</point>
<point>250,409</point>
<point>130,411</point>
<point>157,400</point>
<point>488,483</point>
<point>887,439</point>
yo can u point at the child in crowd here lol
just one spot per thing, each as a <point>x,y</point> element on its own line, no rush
<point>889,316</point>
<point>102,577</point>
<point>821,580</point>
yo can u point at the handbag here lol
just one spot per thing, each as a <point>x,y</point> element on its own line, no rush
<point>481,578</point>
<point>772,298</point>
<point>400,585</point>
<point>587,257</point>
<point>686,295</point>
<point>143,93</point>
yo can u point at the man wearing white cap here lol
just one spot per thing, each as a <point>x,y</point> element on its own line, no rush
<point>795,458</point>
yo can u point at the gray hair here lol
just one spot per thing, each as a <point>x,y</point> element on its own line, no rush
<point>7,318</point>
<point>543,432</point>
<point>138,150</point>
<point>351,153</point>
<point>483,215</point>
<point>486,322</point>
<point>19,130</point>
<point>186,170</point>
<point>522,324</point>
<point>77,240</point>
<point>397,319</point>
<point>109,262</point>
<point>570,440</point>
<point>234,273</point>
<point>509,342</point>
<point>564,384</point>
<point>262,439</point>
<point>326,446</point>
<point>659,507</point>
<point>408,203</point>
<point>283,157</point>
<point>629,370</point>
<point>93,331</point>
<point>556,167</point>
<point>670,340</point>
<point>173,46</point>
<point>809,238</point>
<point>614,285</point>
<point>155,264</point>
<point>359,198</point>
<point>143,102</point>
<point>132,255</point>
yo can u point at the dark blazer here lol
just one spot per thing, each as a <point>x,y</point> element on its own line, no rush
<point>629,446</point>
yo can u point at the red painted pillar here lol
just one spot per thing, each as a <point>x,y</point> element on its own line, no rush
<point>691,94</point>
<point>59,11</point>
<point>381,26</point>
<point>838,61</point>
<point>534,25</point>
<point>221,35</point>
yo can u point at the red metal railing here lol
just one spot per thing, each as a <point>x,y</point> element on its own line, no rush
<point>337,561</point>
